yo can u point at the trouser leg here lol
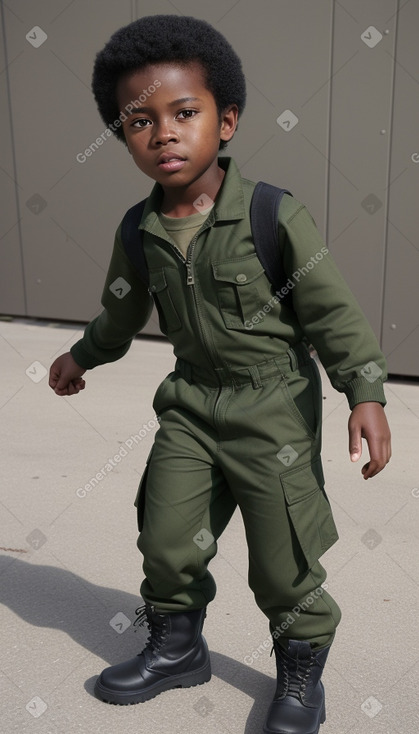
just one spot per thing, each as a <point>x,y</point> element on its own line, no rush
<point>286,513</point>
<point>286,590</point>
<point>186,508</point>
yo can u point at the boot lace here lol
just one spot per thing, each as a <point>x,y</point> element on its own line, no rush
<point>157,627</point>
<point>293,674</point>
<point>305,674</point>
<point>141,618</point>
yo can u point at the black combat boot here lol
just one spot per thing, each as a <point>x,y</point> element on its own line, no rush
<point>175,656</point>
<point>298,706</point>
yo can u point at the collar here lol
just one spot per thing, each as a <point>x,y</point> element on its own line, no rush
<point>229,202</point>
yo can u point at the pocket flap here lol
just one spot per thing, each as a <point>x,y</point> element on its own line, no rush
<point>301,482</point>
<point>157,281</point>
<point>309,510</point>
<point>239,271</point>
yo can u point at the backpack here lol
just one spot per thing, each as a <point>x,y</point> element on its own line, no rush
<point>264,223</point>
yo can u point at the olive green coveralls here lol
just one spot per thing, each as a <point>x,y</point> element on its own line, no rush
<point>240,415</point>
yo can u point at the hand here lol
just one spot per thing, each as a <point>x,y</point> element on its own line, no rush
<point>65,376</point>
<point>369,421</point>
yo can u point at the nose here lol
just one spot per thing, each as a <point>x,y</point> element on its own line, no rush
<point>165,133</point>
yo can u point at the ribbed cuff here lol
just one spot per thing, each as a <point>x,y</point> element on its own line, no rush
<point>364,390</point>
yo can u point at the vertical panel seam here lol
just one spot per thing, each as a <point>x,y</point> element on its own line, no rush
<point>13,152</point>
<point>329,121</point>
<point>389,166</point>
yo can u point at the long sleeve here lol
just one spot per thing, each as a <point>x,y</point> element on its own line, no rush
<point>328,311</point>
<point>127,308</point>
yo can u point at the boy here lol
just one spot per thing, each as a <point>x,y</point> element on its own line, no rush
<point>243,403</point>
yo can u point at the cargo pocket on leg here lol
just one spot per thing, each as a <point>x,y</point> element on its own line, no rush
<point>309,510</point>
<point>140,498</point>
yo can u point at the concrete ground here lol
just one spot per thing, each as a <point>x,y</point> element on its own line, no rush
<point>70,570</point>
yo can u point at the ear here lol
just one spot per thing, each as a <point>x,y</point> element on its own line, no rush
<point>229,119</point>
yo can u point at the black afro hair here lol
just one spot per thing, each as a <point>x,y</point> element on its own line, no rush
<point>165,38</point>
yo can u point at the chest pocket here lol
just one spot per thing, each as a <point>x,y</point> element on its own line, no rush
<point>241,289</point>
<point>159,289</point>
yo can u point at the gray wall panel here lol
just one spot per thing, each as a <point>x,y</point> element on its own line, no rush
<point>12,291</point>
<point>361,109</point>
<point>400,336</point>
<point>312,58</point>
<point>279,78</point>
<point>65,233</point>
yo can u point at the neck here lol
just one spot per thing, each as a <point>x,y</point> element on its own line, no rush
<point>179,201</point>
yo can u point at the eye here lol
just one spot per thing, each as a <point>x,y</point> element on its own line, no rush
<point>142,122</point>
<point>186,114</point>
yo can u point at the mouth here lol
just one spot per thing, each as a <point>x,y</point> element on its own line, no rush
<point>171,162</point>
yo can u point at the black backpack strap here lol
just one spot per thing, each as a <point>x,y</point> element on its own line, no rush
<point>264,223</point>
<point>132,240</point>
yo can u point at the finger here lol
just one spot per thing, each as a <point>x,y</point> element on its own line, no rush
<point>64,384</point>
<point>370,469</point>
<point>74,386</point>
<point>61,386</point>
<point>380,452</point>
<point>375,465</point>
<point>53,378</point>
<point>355,442</point>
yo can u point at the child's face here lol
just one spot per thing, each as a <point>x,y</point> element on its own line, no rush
<point>174,133</point>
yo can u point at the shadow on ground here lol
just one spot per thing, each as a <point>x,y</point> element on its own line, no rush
<point>50,597</point>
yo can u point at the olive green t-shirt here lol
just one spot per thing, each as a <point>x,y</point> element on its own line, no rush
<point>183,229</point>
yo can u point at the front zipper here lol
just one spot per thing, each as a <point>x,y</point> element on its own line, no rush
<point>190,281</point>
<point>177,252</point>
<point>189,274</point>
<point>225,392</point>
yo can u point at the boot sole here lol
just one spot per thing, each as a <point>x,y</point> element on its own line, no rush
<point>185,680</point>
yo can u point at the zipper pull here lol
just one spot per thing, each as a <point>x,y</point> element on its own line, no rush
<point>189,274</point>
